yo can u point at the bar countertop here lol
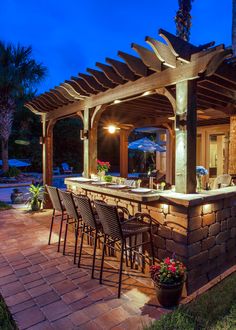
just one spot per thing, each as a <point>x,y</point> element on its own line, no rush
<point>166,196</point>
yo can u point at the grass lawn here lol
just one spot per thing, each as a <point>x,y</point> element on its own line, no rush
<point>4,206</point>
<point>6,321</point>
<point>213,310</point>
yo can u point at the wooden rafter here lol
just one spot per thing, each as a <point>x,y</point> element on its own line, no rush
<point>135,64</point>
<point>122,69</point>
<point>83,84</point>
<point>163,52</point>
<point>101,78</point>
<point>148,57</point>
<point>92,82</point>
<point>110,73</point>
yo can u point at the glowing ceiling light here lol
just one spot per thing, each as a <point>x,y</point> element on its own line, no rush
<point>146,93</point>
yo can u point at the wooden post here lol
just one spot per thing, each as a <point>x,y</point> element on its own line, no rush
<point>93,136</point>
<point>86,142</point>
<point>170,156</point>
<point>47,158</point>
<point>186,134</point>
<point>124,133</point>
<point>232,146</point>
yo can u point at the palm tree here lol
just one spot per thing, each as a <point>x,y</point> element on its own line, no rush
<point>234,27</point>
<point>183,19</point>
<point>19,73</point>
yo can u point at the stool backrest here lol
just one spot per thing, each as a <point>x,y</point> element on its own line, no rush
<point>69,203</point>
<point>86,210</point>
<point>55,198</point>
<point>109,217</point>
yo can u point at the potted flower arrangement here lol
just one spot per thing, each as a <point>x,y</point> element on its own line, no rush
<point>168,278</point>
<point>35,199</point>
<point>200,172</point>
<point>102,168</point>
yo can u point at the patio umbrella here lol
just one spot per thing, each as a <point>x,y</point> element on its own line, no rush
<point>16,163</point>
<point>145,145</point>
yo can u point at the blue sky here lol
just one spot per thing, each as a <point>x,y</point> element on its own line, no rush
<point>69,36</point>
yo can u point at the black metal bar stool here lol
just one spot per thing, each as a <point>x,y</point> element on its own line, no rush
<point>58,211</point>
<point>91,225</point>
<point>116,231</point>
<point>73,217</point>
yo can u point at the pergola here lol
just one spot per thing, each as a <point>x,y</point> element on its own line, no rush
<point>194,84</point>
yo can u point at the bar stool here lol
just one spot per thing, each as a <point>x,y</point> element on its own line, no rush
<point>59,208</point>
<point>115,231</point>
<point>73,217</point>
<point>91,225</point>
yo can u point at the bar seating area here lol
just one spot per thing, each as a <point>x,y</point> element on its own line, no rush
<point>186,93</point>
<point>112,226</point>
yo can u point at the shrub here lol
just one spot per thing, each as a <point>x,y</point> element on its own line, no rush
<point>12,172</point>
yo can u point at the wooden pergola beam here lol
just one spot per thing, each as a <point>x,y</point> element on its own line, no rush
<point>84,85</point>
<point>148,57</point>
<point>92,82</point>
<point>135,64</point>
<point>110,73</point>
<point>163,52</point>
<point>101,78</point>
<point>122,69</point>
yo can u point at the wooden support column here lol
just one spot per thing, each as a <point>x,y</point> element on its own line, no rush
<point>86,142</point>
<point>186,133</point>
<point>47,157</point>
<point>232,146</point>
<point>124,134</point>
<point>170,156</point>
<point>93,146</point>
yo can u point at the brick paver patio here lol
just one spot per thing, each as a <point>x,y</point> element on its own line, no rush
<point>45,290</point>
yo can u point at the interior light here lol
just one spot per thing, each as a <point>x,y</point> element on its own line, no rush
<point>146,93</point>
<point>112,129</point>
<point>117,101</point>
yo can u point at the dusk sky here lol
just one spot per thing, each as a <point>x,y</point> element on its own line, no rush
<point>69,36</point>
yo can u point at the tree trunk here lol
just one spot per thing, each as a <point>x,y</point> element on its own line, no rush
<point>7,107</point>
<point>183,19</point>
<point>5,166</point>
<point>234,27</point>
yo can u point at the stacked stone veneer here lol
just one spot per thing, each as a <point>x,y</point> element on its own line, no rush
<point>202,236</point>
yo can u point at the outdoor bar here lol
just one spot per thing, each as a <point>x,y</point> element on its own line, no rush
<point>189,92</point>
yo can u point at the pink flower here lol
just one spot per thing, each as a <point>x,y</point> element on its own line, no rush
<point>167,261</point>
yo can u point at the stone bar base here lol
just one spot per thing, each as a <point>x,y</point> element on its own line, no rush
<point>200,230</point>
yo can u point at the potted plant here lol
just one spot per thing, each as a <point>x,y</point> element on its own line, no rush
<point>168,278</point>
<point>200,172</point>
<point>36,197</point>
<point>17,196</point>
<point>102,168</point>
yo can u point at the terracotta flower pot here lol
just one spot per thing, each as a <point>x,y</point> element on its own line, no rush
<point>169,295</point>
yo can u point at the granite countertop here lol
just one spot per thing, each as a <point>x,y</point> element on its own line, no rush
<point>166,196</point>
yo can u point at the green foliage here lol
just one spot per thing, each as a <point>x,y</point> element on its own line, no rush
<point>6,321</point>
<point>36,197</point>
<point>67,146</point>
<point>12,172</point>
<point>108,178</point>
<point>4,206</point>
<point>177,320</point>
<point>213,310</point>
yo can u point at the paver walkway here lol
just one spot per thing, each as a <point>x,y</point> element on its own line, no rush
<point>45,290</point>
